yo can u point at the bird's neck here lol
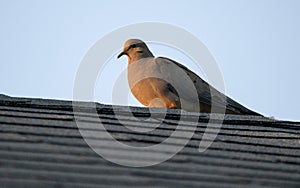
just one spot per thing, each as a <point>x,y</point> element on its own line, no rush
<point>140,56</point>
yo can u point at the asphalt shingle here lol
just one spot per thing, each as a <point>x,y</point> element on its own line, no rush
<point>41,146</point>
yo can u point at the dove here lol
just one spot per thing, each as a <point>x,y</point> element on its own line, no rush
<point>160,82</point>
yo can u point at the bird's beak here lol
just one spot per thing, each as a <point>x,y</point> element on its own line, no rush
<point>121,54</point>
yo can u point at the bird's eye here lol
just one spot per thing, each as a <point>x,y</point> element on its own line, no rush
<point>133,46</point>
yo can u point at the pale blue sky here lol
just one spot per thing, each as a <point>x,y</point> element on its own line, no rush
<point>256,44</point>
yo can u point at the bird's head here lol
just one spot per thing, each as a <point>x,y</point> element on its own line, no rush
<point>135,49</point>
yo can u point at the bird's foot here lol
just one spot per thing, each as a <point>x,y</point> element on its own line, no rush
<point>172,107</point>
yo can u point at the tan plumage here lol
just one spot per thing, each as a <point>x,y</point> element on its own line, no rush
<point>161,82</point>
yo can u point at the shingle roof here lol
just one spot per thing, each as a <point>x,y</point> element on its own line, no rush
<point>41,146</point>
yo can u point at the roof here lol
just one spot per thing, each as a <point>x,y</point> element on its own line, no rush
<point>41,145</point>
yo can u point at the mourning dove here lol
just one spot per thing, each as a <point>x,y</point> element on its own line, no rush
<point>163,83</point>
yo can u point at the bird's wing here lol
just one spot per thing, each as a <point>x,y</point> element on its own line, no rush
<point>181,79</point>
<point>205,91</point>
